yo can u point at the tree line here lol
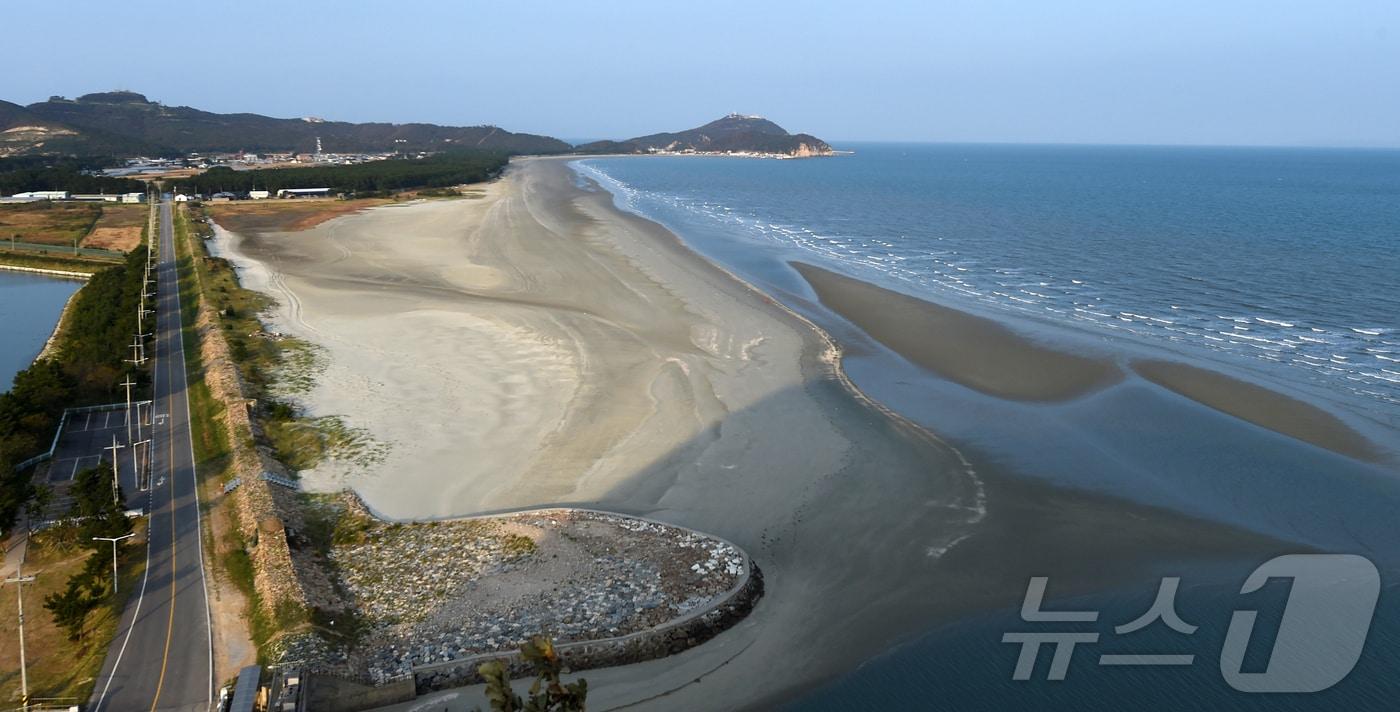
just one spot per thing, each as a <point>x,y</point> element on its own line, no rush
<point>89,363</point>
<point>96,512</point>
<point>443,169</point>
<point>21,174</point>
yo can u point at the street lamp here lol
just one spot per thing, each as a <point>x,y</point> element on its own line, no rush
<point>114,541</point>
<point>19,580</point>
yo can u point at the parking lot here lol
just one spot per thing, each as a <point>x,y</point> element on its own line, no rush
<point>86,440</point>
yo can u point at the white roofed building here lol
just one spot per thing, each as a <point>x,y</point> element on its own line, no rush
<point>303,192</point>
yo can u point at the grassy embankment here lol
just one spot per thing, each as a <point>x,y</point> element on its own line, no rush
<point>213,443</point>
<point>268,365</point>
<point>59,669</point>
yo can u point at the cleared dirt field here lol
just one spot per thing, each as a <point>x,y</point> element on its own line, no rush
<point>119,227</point>
<point>285,215</point>
<point>48,223</point>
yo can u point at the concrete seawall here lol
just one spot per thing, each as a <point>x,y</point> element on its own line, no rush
<point>51,272</point>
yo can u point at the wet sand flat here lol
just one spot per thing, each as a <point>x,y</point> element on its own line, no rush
<point>969,350</point>
<point>1259,405</point>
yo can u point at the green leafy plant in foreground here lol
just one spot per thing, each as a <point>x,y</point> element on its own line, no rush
<point>548,694</point>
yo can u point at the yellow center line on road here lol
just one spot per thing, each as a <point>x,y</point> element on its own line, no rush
<point>170,481</point>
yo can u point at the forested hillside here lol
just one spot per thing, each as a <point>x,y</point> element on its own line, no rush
<point>450,168</point>
<point>144,126</point>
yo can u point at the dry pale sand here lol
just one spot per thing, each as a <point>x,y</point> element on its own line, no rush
<point>536,346</point>
<point>969,350</point>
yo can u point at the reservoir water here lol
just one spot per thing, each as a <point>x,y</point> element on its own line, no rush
<point>30,305</point>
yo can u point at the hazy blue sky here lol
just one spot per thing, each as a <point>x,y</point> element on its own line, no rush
<point>1100,71</point>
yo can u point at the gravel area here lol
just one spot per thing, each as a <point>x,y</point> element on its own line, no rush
<point>435,592</point>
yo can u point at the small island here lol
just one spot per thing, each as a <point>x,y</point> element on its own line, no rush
<point>735,134</point>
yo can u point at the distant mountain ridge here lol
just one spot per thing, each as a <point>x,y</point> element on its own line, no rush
<point>127,123</point>
<point>24,132</point>
<point>735,133</point>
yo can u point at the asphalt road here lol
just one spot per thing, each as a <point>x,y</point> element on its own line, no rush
<point>161,657</point>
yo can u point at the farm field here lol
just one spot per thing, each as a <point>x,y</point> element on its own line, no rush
<point>100,226</point>
<point>47,223</point>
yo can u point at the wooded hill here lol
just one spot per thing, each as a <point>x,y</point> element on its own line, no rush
<point>734,133</point>
<point>126,123</point>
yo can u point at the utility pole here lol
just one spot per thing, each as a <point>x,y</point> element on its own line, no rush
<point>116,479</point>
<point>114,541</point>
<point>19,580</point>
<point>140,441</point>
<point>128,383</point>
<point>138,350</point>
<point>136,462</point>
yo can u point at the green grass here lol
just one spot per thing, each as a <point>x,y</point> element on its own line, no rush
<point>239,568</point>
<point>213,280</point>
<point>211,442</point>
<point>59,668</point>
<point>54,261</point>
<point>518,546</point>
<point>262,628</point>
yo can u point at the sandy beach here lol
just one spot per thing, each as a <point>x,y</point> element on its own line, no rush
<point>536,346</point>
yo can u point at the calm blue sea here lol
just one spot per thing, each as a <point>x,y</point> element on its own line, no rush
<point>29,308</point>
<point>1283,264</point>
<point>1283,257</point>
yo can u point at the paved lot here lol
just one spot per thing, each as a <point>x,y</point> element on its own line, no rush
<point>85,442</point>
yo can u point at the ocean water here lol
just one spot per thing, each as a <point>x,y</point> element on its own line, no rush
<point>29,308</point>
<point>1278,264</point>
<point>966,666</point>
<point>1283,259</point>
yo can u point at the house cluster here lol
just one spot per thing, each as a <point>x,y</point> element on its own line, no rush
<point>246,161</point>
<point>141,166</point>
<point>224,197</point>
<point>37,195</point>
<point>239,161</point>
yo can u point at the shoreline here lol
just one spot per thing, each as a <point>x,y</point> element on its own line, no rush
<point>638,377</point>
<point>57,328</point>
<point>81,276</point>
<point>986,356</point>
<point>55,332</point>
